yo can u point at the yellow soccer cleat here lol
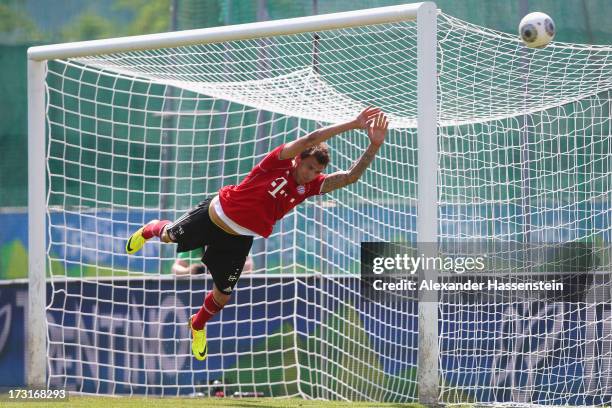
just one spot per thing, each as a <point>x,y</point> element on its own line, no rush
<point>199,346</point>
<point>137,241</point>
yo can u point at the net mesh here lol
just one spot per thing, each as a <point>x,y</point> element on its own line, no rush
<point>524,157</point>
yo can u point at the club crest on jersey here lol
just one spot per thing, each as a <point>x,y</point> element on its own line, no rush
<point>301,189</point>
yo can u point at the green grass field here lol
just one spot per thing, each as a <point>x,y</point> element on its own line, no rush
<point>130,402</point>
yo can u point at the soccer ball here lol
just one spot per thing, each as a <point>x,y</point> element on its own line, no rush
<point>536,30</point>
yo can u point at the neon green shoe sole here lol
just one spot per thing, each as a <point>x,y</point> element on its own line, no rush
<point>136,240</point>
<point>199,346</point>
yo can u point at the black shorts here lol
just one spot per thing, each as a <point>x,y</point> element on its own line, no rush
<point>224,255</point>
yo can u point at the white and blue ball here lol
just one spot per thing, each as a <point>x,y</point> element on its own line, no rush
<point>536,30</point>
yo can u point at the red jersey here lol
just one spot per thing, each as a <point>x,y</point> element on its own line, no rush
<point>266,194</point>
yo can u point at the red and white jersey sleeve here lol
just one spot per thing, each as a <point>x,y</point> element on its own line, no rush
<point>266,194</point>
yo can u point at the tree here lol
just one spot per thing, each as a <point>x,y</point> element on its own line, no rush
<point>150,16</point>
<point>147,16</point>
<point>16,26</point>
<point>88,26</point>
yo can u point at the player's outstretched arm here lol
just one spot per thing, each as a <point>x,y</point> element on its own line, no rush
<point>297,146</point>
<point>377,131</point>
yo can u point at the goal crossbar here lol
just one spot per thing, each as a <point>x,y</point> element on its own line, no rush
<point>380,15</point>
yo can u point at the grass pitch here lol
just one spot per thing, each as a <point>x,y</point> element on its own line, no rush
<point>131,402</point>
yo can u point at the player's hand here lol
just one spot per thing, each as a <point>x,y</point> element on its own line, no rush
<point>377,129</point>
<point>363,120</point>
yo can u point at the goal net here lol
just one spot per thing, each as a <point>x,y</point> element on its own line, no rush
<point>524,166</point>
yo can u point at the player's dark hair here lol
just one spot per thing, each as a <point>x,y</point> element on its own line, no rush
<point>320,152</point>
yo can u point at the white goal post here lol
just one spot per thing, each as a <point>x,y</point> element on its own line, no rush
<point>425,16</point>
